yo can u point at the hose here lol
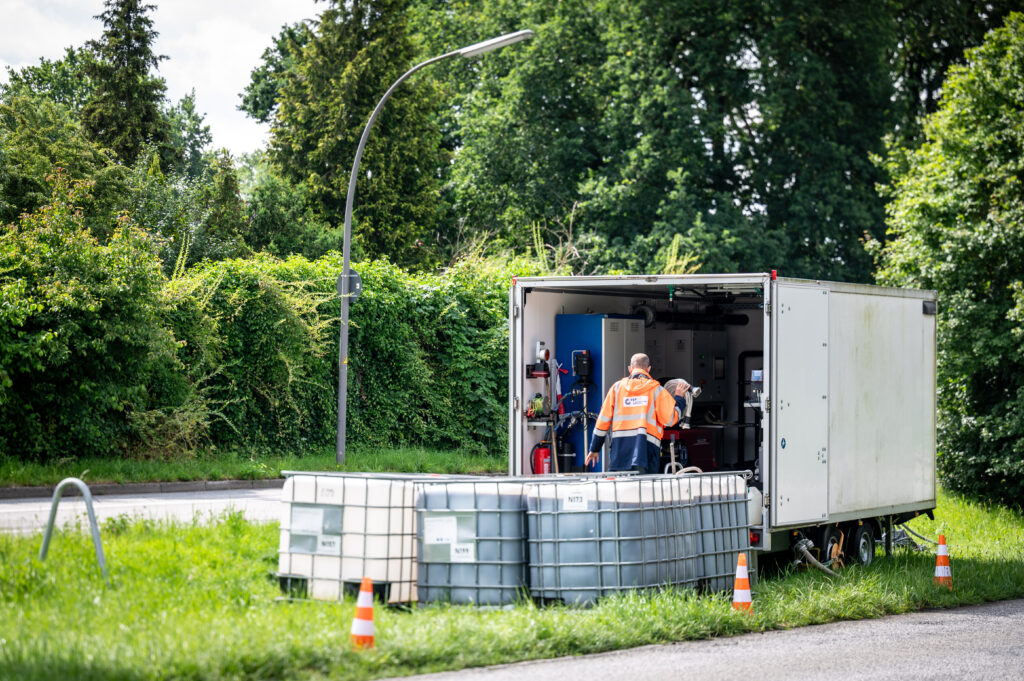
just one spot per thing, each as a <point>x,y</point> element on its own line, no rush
<point>907,529</point>
<point>802,548</point>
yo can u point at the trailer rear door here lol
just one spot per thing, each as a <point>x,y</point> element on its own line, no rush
<point>799,397</point>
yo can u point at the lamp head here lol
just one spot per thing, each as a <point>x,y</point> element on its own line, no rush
<point>477,49</point>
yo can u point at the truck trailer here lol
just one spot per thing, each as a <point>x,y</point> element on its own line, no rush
<point>824,391</point>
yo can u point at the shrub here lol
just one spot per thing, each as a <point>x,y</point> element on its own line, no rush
<point>81,344</point>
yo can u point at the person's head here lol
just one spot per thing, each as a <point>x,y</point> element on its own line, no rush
<point>640,361</point>
<point>673,385</point>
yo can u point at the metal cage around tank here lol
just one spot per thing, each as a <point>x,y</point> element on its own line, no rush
<point>592,538</point>
<point>471,540</point>
<point>337,528</point>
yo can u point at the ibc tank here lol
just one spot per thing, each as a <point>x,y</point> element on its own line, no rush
<point>589,538</point>
<point>471,541</point>
<point>720,502</point>
<point>337,528</point>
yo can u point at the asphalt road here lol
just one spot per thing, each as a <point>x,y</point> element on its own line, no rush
<point>977,642</point>
<point>30,515</point>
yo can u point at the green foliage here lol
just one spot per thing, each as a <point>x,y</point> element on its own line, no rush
<point>81,346</point>
<point>933,36</point>
<point>190,137</point>
<point>124,112</point>
<point>36,136</point>
<point>253,328</point>
<point>61,81</point>
<point>282,222</point>
<point>746,131</point>
<point>214,577</point>
<point>427,352</point>
<point>956,224</point>
<point>227,219</point>
<point>428,358</point>
<point>260,96</point>
<point>356,51</point>
<point>190,219</point>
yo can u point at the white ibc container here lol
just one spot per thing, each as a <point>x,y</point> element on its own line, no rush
<point>337,528</point>
<point>471,541</point>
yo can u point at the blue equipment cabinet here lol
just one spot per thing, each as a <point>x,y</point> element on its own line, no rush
<point>611,340</point>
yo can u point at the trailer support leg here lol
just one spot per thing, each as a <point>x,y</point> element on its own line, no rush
<point>888,535</point>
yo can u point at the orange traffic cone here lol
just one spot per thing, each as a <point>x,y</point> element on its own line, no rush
<point>943,573</point>
<point>741,587</point>
<point>362,624</point>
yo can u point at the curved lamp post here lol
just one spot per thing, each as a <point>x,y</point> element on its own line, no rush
<point>345,283</point>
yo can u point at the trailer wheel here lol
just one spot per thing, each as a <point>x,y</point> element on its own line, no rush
<point>829,538</point>
<point>863,544</point>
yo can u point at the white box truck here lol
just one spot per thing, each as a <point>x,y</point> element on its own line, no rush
<point>825,391</point>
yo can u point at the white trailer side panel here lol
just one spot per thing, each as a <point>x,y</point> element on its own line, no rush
<point>882,407</point>
<point>800,405</point>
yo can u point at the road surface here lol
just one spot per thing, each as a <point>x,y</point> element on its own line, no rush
<point>976,642</point>
<point>30,515</point>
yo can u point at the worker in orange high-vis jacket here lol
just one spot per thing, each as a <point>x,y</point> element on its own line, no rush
<point>636,411</point>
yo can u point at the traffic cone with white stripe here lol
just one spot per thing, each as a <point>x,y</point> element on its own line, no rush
<point>362,623</point>
<point>741,587</point>
<point>943,573</point>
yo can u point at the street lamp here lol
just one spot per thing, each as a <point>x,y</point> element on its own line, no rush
<point>345,284</point>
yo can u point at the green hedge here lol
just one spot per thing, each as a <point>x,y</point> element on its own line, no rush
<point>101,355</point>
<point>428,353</point>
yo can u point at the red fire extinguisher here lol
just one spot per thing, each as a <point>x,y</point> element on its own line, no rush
<point>540,459</point>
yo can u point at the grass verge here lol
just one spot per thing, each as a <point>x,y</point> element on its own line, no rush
<point>245,465</point>
<point>195,601</point>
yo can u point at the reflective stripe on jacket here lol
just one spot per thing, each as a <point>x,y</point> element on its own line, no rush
<point>635,411</point>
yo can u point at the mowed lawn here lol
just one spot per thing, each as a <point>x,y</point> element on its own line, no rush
<point>198,601</point>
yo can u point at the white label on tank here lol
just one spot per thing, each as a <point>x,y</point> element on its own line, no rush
<point>633,401</point>
<point>440,530</point>
<point>329,544</point>
<point>574,501</point>
<point>463,553</point>
<point>307,520</point>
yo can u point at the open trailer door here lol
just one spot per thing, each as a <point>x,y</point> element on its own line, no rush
<point>799,397</point>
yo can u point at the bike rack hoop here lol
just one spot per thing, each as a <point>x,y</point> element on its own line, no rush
<point>87,495</point>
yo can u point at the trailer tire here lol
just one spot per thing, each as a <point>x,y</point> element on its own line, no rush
<point>829,538</point>
<point>862,544</point>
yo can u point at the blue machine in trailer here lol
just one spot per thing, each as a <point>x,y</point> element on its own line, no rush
<point>610,340</point>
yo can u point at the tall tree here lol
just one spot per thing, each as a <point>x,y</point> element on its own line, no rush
<point>259,98</point>
<point>358,49</point>
<point>932,37</point>
<point>125,112</point>
<point>190,136</point>
<point>823,97</point>
<point>956,224</point>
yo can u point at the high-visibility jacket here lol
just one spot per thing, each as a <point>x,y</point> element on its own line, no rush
<point>635,411</point>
